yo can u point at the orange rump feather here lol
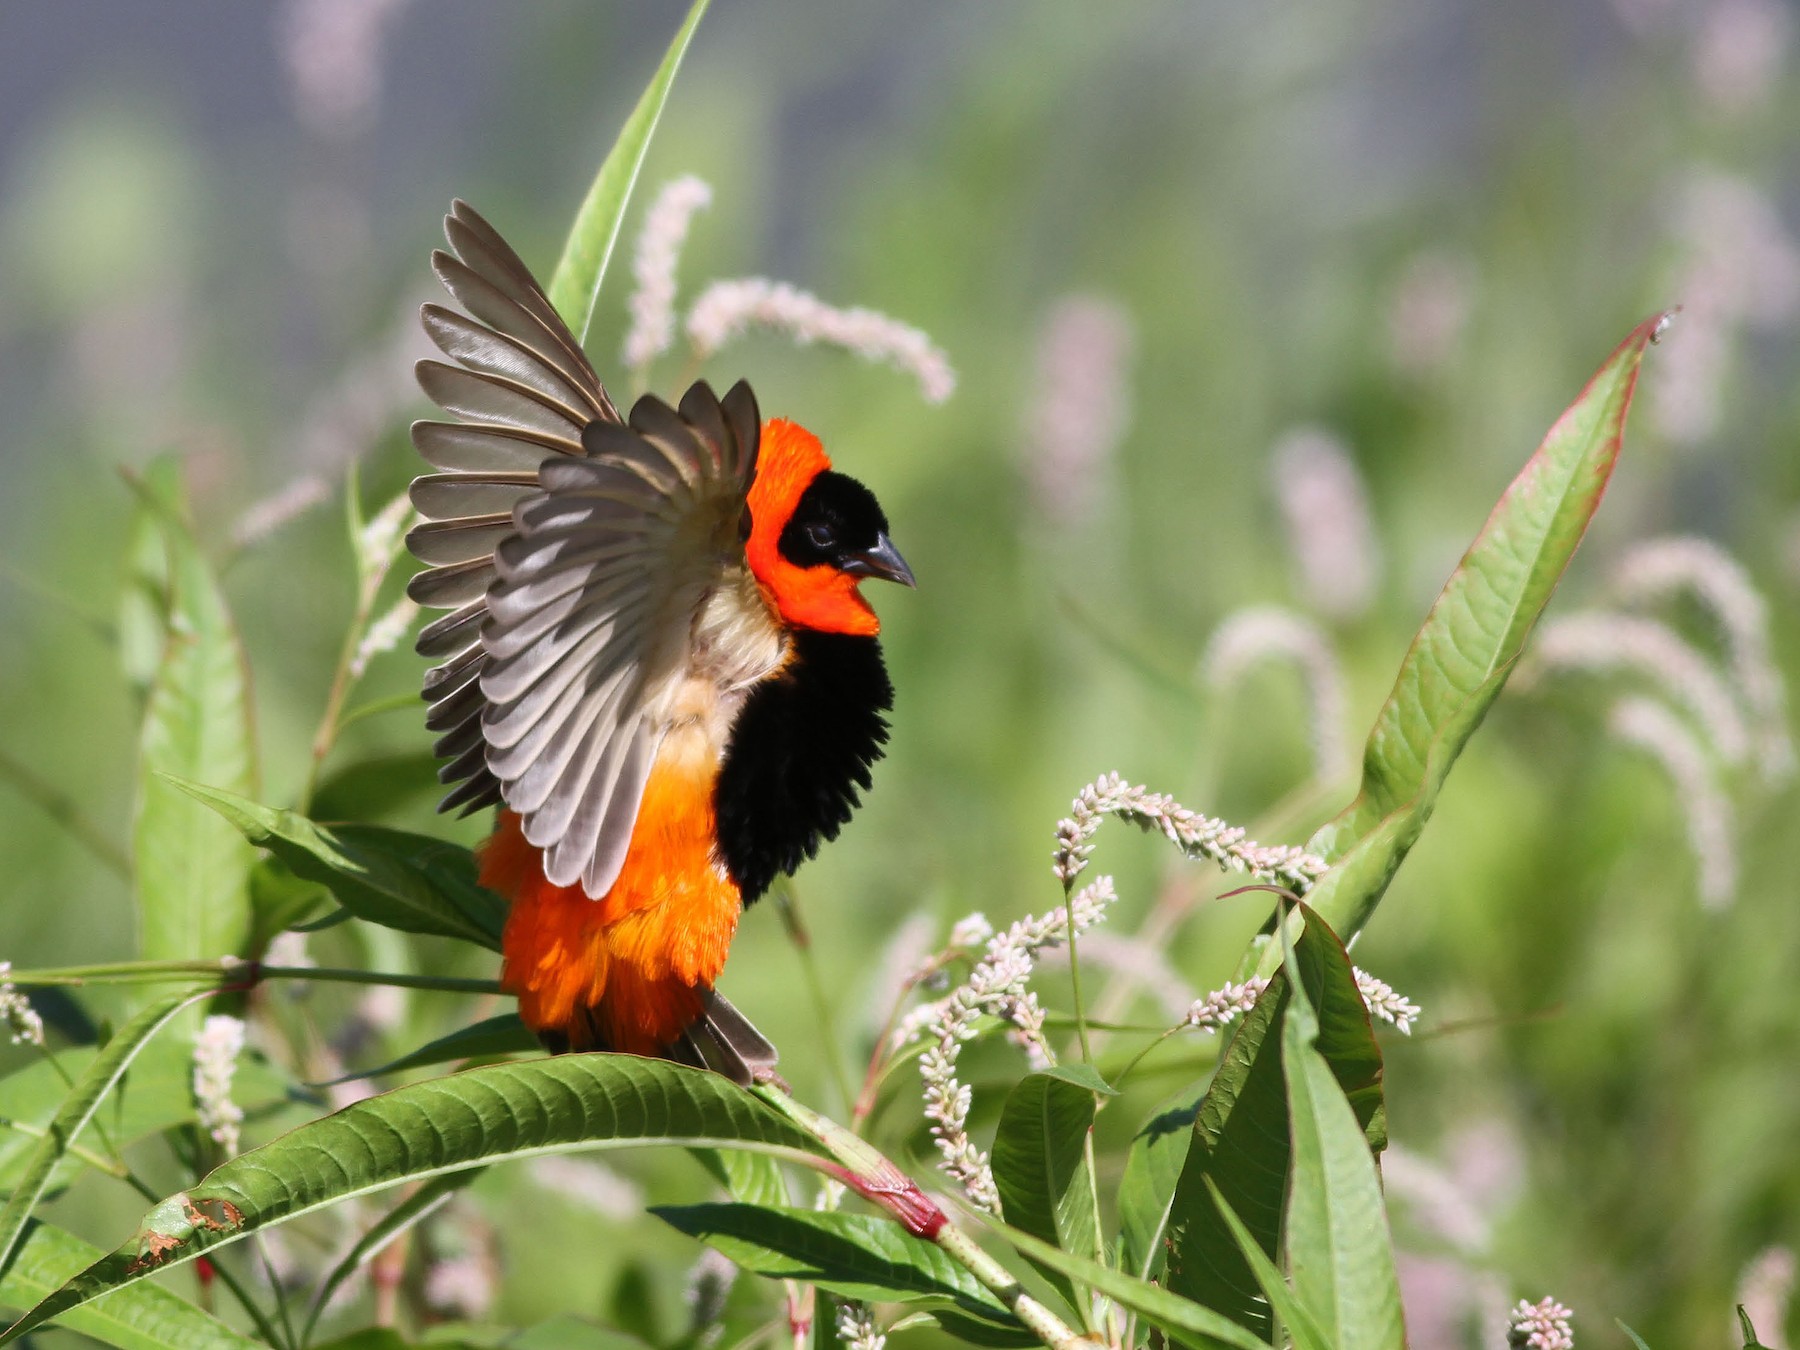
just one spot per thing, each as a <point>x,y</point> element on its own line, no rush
<point>631,970</point>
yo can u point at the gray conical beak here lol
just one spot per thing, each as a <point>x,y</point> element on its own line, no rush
<point>882,561</point>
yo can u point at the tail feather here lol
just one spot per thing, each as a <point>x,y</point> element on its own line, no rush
<point>723,1040</point>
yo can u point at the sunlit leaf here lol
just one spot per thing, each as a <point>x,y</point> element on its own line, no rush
<point>1462,655</point>
<point>1040,1166</point>
<point>858,1256</point>
<point>193,870</point>
<point>1241,1134</point>
<point>1302,1328</point>
<point>407,881</point>
<point>1152,1166</point>
<point>1179,1318</point>
<point>78,1108</point>
<point>575,285</point>
<point>146,1317</point>
<point>502,1034</point>
<point>414,1133</point>
<point>1340,1254</point>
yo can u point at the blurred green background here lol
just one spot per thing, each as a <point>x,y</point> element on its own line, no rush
<point>1410,226</point>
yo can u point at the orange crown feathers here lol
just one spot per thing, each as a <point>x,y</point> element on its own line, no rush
<point>821,598</point>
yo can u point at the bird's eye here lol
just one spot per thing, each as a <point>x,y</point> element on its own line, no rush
<point>820,535</point>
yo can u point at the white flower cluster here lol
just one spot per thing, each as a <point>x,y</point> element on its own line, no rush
<point>16,1012</point>
<point>216,1051</point>
<point>1653,728</point>
<point>1659,568</point>
<point>1080,409</point>
<point>1260,633</point>
<point>384,635</point>
<point>1543,1325</point>
<point>1196,835</point>
<point>1224,1006</point>
<point>1385,1003</point>
<point>658,251</point>
<point>728,309</point>
<point>1330,528</point>
<point>996,988</point>
<point>856,1326</point>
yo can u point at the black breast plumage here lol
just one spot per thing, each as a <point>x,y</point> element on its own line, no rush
<point>799,752</point>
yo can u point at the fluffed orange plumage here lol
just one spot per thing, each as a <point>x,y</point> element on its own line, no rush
<point>624,972</point>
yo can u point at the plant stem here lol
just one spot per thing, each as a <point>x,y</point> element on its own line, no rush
<point>872,1176</point>
<point>77,1151</point>
<point>787,904</point>
<point>234,970</point>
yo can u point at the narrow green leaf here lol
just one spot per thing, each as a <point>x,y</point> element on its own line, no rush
<point>143,626</point>
<point>413,1210</point>
<point>1639,1342</point>
<point>155,1094</point>
<point>1181,1319</point>
<point>193,871</point>
<point>486,1115</point>
<point>1040,1167</point>
<point>147,1317</point>
<point>1152,1166</point>
<point>575,285</point>
<point>78,1108</point>
<point>1301,1326</point>
<point>1084,1076</point>
<point>972,1330</point>
<point>750,1178</point>
<point>411,882</point>
<point>502,1034</point>
<point>279,900</point>
<point>1751,1340</point>
<point>859,1256</point>
<point>1340,1254</point>
<point>1241,1134</point>
<point>1470,641</point>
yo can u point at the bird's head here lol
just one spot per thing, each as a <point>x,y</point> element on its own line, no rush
<point>815,534</point>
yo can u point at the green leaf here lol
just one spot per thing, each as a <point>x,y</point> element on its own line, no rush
<point>1040,1167</point>
<point>1340,1254</point>
<point>155,1094</point>
<point>1462,655</point>
<point>193,871</point>
<point>502,1034</point>
<point>1301,1326</point>
<point>279,900</point>
<point>1638,1341</point>
<point>1152,1167</point>
<point>415,1209</point>
<point>143,626</point>
<point>971,1330</point>
<point>78,1109</point>
<point>1241,1134</point>
<point>1751,1340</point>
<point>1178,1317</point>
<point>751,1178</point>
<point>423,1130</point>
<point>147,1317</point>
<point>575,285</point>
<point>411,882</point>
<point>857,1256</point>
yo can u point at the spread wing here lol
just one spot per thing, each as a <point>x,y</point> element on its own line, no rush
<point>572,551</point>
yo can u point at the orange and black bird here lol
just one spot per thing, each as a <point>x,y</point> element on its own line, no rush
<point>657,663</point>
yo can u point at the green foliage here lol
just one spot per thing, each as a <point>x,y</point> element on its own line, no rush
<point>78,1108</point>
<point>1247,1206</point>
<point>1041,1167</point>
<point>193,871</point>
<point>408,882</point>
<point>854,1255</point>
<point>1242,1138</point>
<point>575,285</point>
<point>1469,643</point>
<point>145,1317</point>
